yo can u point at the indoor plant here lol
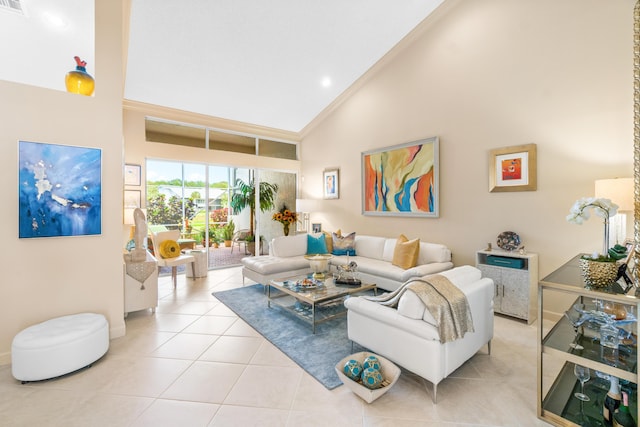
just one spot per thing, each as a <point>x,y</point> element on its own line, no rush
<point>598,270</point>
<point>245,196</point>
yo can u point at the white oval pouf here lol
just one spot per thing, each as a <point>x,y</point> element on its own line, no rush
<point>59,346</point>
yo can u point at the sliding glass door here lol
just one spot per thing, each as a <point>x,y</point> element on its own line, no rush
<point>216,209</point>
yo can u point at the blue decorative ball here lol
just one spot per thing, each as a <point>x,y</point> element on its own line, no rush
<point>372,378</point>
<point>372,362</point>
<point>353,369</point>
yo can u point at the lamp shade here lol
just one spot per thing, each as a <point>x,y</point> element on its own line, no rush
<point>619,190</point>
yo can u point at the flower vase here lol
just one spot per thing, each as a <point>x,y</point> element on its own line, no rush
<point>285,228</point>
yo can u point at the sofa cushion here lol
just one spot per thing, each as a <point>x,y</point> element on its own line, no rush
<point>267,265</point>
<point>345,245</point>
<point>405,254</point>
<point>433,252</point>
<point>329,239</point>
<point>370,246</point>
<point>374,267</point>
<point>316,244</point>
<point>287,246</point>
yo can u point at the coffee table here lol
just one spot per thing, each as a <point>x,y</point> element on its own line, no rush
<point>313,304</point>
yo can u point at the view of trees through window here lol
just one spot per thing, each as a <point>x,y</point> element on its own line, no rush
<point>198,200</point>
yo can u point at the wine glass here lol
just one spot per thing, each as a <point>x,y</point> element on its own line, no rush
<point>583,375</point>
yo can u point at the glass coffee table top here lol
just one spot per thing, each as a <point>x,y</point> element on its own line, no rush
<point>312,300</point>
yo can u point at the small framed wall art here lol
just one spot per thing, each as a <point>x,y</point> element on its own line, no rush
<point>132,174</point>
<point>331,184</point>
<point>513,169</point>
<point>316,227</point>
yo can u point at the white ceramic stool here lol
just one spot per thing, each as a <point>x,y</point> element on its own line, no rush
<point>59,346</point>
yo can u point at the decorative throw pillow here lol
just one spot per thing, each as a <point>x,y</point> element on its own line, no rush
<point>316,244</point>
<point>344,245</point>
<point>405,254</point>
<point>169,249</point>
<point>329,239</point>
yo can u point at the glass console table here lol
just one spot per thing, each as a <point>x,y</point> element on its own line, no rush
<point>561,347</point>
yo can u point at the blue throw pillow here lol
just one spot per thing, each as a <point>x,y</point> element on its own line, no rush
<point>344,245</point>
<point>316,245</point>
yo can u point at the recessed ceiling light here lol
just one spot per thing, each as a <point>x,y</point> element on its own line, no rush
<point>326,82</point>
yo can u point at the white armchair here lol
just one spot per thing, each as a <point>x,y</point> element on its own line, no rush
<point>157,239</point>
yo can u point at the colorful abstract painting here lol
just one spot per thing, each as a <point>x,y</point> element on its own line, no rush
<point>60,190</point>
<point>401,180</point>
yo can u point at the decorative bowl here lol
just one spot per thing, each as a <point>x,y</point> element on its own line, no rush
<point>390,372</point>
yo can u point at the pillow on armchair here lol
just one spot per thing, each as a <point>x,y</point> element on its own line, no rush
<point>169,249</point>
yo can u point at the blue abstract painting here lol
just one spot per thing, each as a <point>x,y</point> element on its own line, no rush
<point>60,190</point>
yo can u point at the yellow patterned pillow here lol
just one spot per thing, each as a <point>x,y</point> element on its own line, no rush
<point>169,249</point>
<point>405,254</point>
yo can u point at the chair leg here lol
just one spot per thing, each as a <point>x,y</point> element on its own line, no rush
<point>489,347</point>
<point>435,391</point>
<point>174,276</point>
<point>193,269</point>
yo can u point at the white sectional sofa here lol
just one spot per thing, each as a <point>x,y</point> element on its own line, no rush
<point>408,337</point>
<point>374,257</point>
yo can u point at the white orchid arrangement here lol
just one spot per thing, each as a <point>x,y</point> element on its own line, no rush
<point>603,208</point>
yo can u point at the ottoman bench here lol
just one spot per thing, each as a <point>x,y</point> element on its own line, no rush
<point>59,346</point>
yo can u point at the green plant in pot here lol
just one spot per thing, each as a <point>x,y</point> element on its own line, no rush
<point>227,233</point>
<point>245,196</point>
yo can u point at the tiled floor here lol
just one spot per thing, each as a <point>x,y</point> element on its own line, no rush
<point>194,363</point>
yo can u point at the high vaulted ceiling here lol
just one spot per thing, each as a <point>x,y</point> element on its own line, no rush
<point>260,62</point>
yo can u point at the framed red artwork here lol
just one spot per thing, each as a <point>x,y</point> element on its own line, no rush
<point>513,168</point>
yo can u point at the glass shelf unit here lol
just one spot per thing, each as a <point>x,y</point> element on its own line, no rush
<point>561,346</point>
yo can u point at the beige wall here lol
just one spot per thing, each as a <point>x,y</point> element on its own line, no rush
<point>51,277</point>
<point>482,75</point>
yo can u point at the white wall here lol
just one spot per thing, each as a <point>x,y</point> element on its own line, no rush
<point>482,75</point>
<point>49,277</point>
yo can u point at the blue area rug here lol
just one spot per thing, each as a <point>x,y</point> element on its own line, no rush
<point>316,353</point>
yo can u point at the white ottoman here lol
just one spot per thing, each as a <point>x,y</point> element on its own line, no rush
<point>59,346</point>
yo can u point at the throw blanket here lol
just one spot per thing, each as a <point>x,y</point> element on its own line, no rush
<point>446,303</point>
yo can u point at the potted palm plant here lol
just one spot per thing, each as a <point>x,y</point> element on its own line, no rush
<point>245,196</point>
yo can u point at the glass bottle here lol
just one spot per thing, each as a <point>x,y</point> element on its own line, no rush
<point>623,417</point>
<point>611,401</point>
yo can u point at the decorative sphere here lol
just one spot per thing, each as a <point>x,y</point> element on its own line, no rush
<point>372,378</point>
<point>353,369</point>
<point>372,362</point>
